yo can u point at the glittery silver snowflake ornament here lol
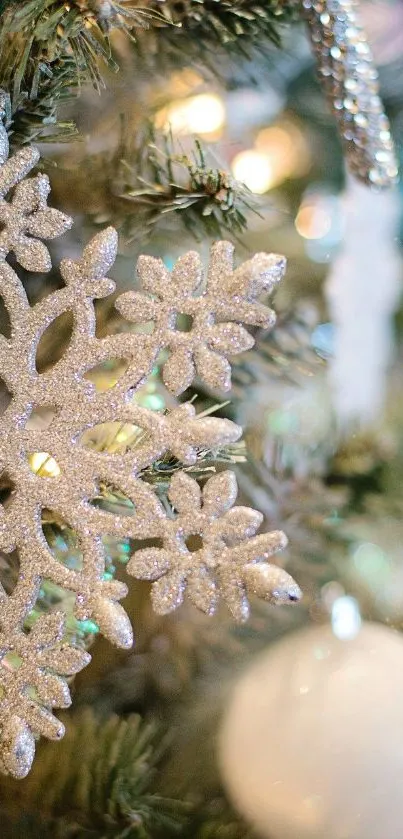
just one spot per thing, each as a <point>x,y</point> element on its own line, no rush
<point>230,562</point>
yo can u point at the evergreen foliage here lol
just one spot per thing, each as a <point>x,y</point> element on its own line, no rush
<point>51,48</point>
<point>149,182</point>
<point>102,783</point>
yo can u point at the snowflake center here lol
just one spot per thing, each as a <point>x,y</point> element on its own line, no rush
<point>11,661</point>
<point>183,322</point>
<point>194,542</point>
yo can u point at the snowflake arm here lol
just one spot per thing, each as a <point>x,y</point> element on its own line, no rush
<point>40,660</point>
<point>26,218</point>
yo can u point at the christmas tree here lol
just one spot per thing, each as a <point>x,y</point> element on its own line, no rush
<point>201,419</point>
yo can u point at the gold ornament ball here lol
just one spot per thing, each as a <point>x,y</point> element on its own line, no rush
<point>311,743</point>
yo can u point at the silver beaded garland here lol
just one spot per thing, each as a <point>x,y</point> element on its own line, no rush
<point>350,79</point>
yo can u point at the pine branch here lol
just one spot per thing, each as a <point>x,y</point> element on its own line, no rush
<point>215,820</point>
<point>147,182</point>
<point>49,50</point>
<point>99,783</point>
<point>209,29</point>
<point>286,353</point>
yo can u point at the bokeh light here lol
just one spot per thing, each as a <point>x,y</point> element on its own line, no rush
<point>370,560</point>
<point>345,618</point>
<point>313,221</point>
<point>203,114</point>
<point>287,149</point>
<point>254,169</point>
<point>280,152</point>
<point>44,465</point>
<point>319,222</point>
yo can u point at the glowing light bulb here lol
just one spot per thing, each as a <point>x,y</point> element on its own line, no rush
<point>254,169</point>
<point>202,114</point>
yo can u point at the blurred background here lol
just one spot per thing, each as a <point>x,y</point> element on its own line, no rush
<point>290,726</point>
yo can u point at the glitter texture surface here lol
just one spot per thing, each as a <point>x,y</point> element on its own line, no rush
<point>350,79</point>
<point>228,295</point>
<point>33,663</point>
<point>230,561</point>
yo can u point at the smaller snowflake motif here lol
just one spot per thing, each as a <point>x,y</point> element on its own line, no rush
<point>41,660</point>
<point>26,218</point>
<point>210,314</point>
<point>210,550</point>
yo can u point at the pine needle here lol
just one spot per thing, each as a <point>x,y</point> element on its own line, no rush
<point>205,28</point>
<point>147,182</point>
<point>49,50</point>
<point>100,782</point>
